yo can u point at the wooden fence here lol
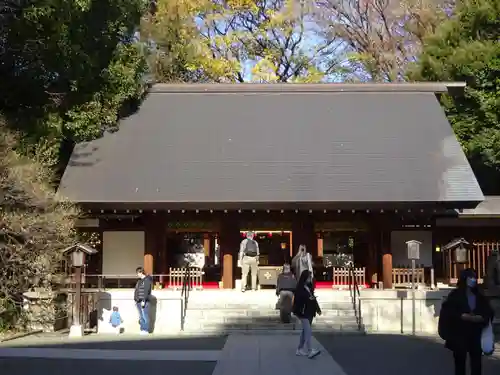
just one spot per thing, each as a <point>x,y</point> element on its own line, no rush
<point>343,276</point>
<point>477,259</point>
<point>402,276</point>
<point>176,278</point>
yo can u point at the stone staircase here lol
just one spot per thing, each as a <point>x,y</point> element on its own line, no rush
<point>232,311</point>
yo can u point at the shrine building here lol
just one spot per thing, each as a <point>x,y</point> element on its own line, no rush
<point>349,170</point>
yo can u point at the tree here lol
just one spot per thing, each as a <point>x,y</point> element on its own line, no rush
<point>245,40</point>
<point>172,37</point>
<point>381,36</point>
<point>34,228</point>
<point>466,48</point>
<point>69,68</point>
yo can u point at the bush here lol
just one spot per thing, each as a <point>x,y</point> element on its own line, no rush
<point>35,225</point>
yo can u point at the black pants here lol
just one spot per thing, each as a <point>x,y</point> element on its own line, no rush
<point>460,357</point>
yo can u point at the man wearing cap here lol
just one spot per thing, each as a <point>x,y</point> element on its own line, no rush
<point>249,260</point>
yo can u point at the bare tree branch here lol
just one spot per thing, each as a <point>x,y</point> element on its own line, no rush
<point>382,36</point>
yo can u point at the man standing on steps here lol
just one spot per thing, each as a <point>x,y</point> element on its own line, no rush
<point>248,260</point>
<point>142,298</point>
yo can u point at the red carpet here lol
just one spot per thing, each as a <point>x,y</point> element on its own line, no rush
<point>319,285</point>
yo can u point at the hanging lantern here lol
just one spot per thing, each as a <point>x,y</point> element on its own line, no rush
<point>461,254</point>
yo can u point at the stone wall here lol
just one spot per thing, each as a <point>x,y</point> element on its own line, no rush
<point>391,310</point>
<point>165,311</point>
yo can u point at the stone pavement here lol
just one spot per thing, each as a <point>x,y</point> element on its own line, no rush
<point>238,354</point>
<point>271,355</point>
<point>396,355</point>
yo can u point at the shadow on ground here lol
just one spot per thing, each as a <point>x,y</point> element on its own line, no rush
<point>395,354</point>
<point>356,354</point>
<point>121,342</point>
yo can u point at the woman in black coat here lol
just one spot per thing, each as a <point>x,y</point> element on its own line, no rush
<point>463,316</point>
<point>305,307</point>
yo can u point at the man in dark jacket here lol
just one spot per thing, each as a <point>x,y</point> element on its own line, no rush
<point>463,316</point>
<point>142,298</point>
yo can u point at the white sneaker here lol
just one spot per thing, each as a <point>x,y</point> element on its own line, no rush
<point>144,333</point>
<point>301,353</point>
<point>313,353</point>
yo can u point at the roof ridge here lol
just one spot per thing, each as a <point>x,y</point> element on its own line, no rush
<point>435,87</point>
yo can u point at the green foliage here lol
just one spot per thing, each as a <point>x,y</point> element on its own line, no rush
<point>35,226</point>
<point>68,68</point>
<point>466,48</point>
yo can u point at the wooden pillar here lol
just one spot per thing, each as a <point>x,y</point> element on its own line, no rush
<point>229,247</point>
<point>371,260</point>
<point>319,242</point>
<point>155,238</point>
<point>206,244</point>
<point>386,252</point>
<point>162,267</point>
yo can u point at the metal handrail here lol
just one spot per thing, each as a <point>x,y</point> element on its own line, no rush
<point>355,295</point>
<point>186,288</point>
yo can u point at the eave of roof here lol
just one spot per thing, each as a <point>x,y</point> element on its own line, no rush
<point>434,87</point>
<point>489,208</point>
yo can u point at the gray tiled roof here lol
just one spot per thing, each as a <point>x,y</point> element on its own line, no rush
<point>284,146</point>
<point>490,207</point>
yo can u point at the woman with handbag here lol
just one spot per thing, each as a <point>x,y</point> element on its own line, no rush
<point>464,315</point>
<point>305,308</point>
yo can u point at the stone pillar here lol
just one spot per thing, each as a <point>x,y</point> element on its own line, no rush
<point>229,247</point>
<point>155,247</point>
<point>386,252</point>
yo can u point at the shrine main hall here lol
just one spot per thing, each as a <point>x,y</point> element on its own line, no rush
<point>352,171</point>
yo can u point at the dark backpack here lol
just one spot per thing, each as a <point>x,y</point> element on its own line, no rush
<point>251,248</point>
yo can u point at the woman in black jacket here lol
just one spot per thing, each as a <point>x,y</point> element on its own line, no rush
<point>305,308</point>
<point>463,316</point>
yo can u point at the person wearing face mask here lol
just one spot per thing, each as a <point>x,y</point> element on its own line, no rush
<point>463,316</point>
<point>305,308</point>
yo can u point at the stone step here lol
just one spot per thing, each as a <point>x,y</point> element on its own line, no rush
<point>228,319</point>
<point>234,299</point>
<point>351,328</point>
<point>200,313</point>
<point>262,305</point>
